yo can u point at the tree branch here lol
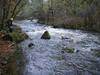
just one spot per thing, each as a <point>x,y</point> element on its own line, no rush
<point>16,7</point>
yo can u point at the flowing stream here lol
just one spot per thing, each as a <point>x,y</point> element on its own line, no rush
<point>46,57</point>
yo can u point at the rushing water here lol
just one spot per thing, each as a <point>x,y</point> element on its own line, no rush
<point>46,58</point>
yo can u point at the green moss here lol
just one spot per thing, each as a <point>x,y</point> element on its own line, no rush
<point>69,50</point>
<point>18,37</point>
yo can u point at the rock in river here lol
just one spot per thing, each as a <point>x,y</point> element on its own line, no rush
<point>30,45</point>
<point>46,35</point>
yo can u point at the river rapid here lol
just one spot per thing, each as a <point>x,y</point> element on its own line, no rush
<point>46,57</point>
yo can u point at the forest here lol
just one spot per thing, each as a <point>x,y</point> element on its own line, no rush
<point>77,14</point>
<point>49,37</point>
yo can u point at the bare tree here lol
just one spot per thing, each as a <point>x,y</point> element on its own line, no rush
<point>9,9</point>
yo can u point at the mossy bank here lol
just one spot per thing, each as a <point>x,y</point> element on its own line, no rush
<point>12,62</point>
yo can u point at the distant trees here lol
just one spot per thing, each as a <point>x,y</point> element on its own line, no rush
<point>33,8</point>
<point>9,9</point>
<point>90,12</point>
<point>61,10</point>
<point>55,12</point>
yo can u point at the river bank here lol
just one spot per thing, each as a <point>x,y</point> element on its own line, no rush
<point>71,23</point>
<point>11,56</point>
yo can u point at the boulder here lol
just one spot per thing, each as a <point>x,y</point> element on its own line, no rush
<point>46,35</point>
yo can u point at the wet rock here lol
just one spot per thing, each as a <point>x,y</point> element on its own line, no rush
<point>30,45</point>
<point>46,35</point>
<point>54,26</point>
<point>69,50</point>
<point>96,52</point>
<point>77,51</point>
<point>97,42</point>
<point>62,52</point>
<point>62,37</point>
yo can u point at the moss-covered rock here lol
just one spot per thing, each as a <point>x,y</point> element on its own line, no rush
<point>18,37</point>
<point>46,35</point>
<point>96,52</point>
<point>69,50</point>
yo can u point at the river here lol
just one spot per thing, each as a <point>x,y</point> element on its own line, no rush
<point>46,58</point>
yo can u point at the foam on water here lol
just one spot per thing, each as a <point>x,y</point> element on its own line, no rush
<point>45,57</point>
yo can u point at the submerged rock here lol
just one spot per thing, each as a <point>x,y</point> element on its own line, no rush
<point>77,51</point>
<point>62,52</point>
<point>95,49</point>
<point>46,35</point>
<point>63,38</point>
<point>30,45</point>
<point>96,52</point>
<point>69,50</point>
